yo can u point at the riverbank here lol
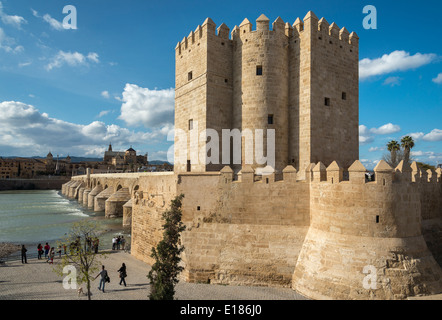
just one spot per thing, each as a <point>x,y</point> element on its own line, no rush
<point>8,248</point>
<point>32,184</point>
<point>105,234</point>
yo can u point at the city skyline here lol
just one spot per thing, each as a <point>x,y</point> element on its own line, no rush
<point>112,78</point>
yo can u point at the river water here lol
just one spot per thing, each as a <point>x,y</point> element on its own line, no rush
<point>40,216</point>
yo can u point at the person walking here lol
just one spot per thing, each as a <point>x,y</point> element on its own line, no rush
<point>114,242</point>
<point>104,277</point>
<point>39,251</point>
<point>47,247</point>
<point>123,274</point>
<point>123,242</point>
<point>96,243</point>
<point>51,256</point>
<point>118,243</point>
<point>23,254</point>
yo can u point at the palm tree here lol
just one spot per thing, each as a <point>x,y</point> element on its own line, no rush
<point>393,146</point>
<point>407,143</point>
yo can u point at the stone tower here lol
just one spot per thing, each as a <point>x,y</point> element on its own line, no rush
<point>300,80</point>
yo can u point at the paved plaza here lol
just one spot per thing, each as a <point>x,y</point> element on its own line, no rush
<point>37,281</point>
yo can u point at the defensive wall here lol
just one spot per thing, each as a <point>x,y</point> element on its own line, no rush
<point>315,235</point>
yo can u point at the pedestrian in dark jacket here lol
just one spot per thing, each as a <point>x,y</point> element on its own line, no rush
<point>123,274</point>
<point>39,250</point>
<point>23,254</point>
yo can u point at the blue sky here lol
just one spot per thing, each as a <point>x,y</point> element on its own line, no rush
<point>72,91</point>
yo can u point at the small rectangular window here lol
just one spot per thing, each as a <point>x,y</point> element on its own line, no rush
<point>344,96</point>
<point>327,101</point>
<point>198,208</point>
<point>189,76</point>
<point>259,70</point>
<point>377,219</point>
<point>190,124</point>
<point>189,167</point>
<point>270,119</point>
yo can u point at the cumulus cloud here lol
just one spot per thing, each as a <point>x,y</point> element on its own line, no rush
<point>392,62</point>
<point>149,108</point>
<point>25,129</point>
<point>386,129</point>
<point>72,59</point>
<point>416,135</point>
<point>366,135</point>
<point>438,79</point>
<point>434,135</point>
<point>15,21</point>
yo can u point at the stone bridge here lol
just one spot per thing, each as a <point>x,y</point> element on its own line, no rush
<point>111,193</point>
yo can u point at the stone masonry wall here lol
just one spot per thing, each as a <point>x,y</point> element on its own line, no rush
<point>355,225</point>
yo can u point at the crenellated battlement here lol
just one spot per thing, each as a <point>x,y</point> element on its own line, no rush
<point>204,31</point>
<point>384,174</point>
<point>320,27</point>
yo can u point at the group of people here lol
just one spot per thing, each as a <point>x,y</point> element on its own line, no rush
<point>118,243</point>
<point>49,252</point>
<point>105,277</point>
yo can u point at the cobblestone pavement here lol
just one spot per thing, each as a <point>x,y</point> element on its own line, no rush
<point>37,281</point>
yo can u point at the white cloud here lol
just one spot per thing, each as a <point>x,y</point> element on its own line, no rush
<point>364,135</point>
<point>72,59</point>
<point>416,135</point>
<point>55,24</point>
<point>373,149</point>
<point>386,129</point>
<point>150,108</point>
<point>15,21</point>
<point>24,130</point>
<point>395,61</point>
<point>8,44</point>
<point>392,81</point>
<point>438,79</point>
<point>24,64</point>
<point>105,94</point>
<point>92,56</point>
<point>416,153</point>
<point>434,135</point>
<point>103,113</point>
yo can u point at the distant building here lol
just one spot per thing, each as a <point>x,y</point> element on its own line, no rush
<point>21,168</point>
<point>57,166</point>
<point>123,160</point>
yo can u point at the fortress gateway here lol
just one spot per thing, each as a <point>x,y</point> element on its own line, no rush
<point>314,224</point>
